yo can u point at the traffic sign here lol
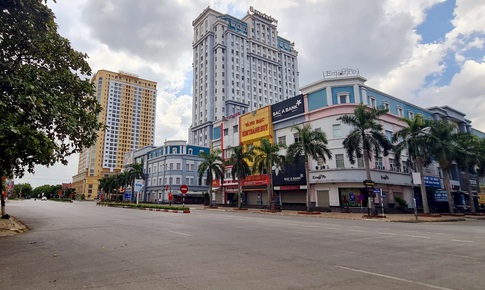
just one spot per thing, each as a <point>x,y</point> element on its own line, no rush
<point>184,188</point>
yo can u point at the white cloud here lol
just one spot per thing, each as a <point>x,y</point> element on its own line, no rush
<point>154,40</point>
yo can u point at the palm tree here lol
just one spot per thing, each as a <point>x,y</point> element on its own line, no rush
<point>213,165</point>
<point>240,167</point>
<point>134,171</point>
<point>366,136</point>
<point>416,139</point>
<point>311,144</point>
<point>468,157</point>
<point>443,150</point>
<point>267,158</point>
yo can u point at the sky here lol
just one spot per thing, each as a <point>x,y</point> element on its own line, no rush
<point>426,52</point>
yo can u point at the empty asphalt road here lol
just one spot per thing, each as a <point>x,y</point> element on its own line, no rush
<point>84,246</point>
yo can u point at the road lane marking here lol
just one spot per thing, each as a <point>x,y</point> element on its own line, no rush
<point>390,234</point>
<point>463,241</point>
<point>183,234</point>
<point>419,237</point>
<point>394,278</point>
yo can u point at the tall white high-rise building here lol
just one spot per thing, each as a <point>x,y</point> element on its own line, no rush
<point>240,65</point>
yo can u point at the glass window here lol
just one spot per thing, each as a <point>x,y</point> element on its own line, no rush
<point>282,140</point>
<point>339,159</point>
<point>360,162</point>
<point>297,138</point>
<point>372,102</point>
<point>235,128</point>
<point>337,131</point>
<point>389,135</point>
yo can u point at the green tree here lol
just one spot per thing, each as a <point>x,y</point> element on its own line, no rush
<point>443,150</point>
<point>311,144</point>
<point>266,159</point>
<point>47,112</point>
<point>240,167</point>
<point>213,166</point>
<point>23,189</point>
<point>415,138</point>
<point>468,157</point>
<point>134,171</point>
<point>366,137</point>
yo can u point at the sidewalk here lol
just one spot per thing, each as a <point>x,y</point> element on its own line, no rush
<point>352,216</point>
<point>11,226</point>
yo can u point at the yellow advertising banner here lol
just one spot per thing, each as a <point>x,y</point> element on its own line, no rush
<point>256,125</point>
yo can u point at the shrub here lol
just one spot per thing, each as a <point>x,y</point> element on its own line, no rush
<point>401,202</point>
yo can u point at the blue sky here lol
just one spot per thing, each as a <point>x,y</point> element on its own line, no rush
<point>426,52</point>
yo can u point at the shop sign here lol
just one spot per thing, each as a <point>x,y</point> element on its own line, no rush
<point>255,125</point>
<point>319,176</point>
<point>293,174</point>
<point>432,181</point>
<point>440,195</point>
<point>253,180</point>
<point>287,108</point>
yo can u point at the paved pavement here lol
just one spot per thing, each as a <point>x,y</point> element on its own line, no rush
<point>12,226</point>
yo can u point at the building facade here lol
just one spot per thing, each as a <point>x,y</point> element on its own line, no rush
<point>129,104</point>
<point>337,182</point>
<point>239,65</point>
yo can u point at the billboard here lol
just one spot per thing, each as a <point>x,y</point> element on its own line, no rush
<point>255,125</point>
<point>287,108</point>
<point>293,174</point>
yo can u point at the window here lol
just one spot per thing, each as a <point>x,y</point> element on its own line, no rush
<point>389,135</point>
<point>297,138</point>
<point>337,131</point>
<point>372,102</point>
<point>177,180</point>
<point>343,98</point>
<point>179,166</point>
<point>410,115</point>
<point>386,106</point>
<point>235,129</point>
<point>282,140</point>
<point>339,159</point>
<point>400,112</point>
<point>360,162</point>
<point>190,151</point>
<point>405,167</point>
<point>226,131</point>
<point>379,164</point>
<point>174,150</point>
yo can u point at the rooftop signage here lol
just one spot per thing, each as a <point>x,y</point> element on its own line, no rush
<point>263,15</point>
<point>341,73</point>
<point>287,108</point>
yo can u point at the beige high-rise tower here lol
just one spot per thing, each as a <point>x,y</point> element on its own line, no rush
<point>129,113</point>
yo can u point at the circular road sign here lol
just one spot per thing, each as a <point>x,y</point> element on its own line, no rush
<point>184,188</point>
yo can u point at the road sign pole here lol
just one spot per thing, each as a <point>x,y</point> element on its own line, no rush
<point>382,204</point>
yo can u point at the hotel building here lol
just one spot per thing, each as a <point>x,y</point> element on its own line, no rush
<point>239,65</point>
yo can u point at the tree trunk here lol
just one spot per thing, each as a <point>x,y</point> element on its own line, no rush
<point>270,193</point>
<point>239,189</point>
<point>368,177</point>
<point>308,199</point>
<point>3,204</point>
<point>470,195</point>
<point>446,182</point>
<point>424,196</point>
